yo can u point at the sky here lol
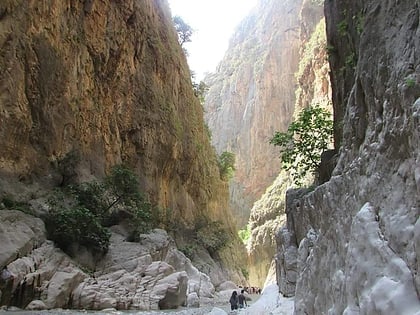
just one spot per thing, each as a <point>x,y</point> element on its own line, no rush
<point>213,22</point>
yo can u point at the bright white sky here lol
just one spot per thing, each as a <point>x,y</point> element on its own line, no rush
<point>214,22</point>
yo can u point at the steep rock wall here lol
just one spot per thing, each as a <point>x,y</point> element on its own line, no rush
<point>268,213</point>
<point>107,82</point>
<point>358,233</point>
<point>252,95</point>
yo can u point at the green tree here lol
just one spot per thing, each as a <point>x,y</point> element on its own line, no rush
<point>123,185</point>
<point>245,234</point>
<point>200,90</point>
<point>304,141</point>
<point>77,225</point>
<point>80,214</point>
<point>184,30</point>
<point>226,164</point>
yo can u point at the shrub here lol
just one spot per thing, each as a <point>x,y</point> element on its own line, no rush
<point>123,185</point>
<point>213,236</point>
<point>10,203</point>
<point>245,234</point>
<point>304,141</point>
<point>188,250</point>
<point>342,27</point>
<point>77,225</point>
<point>91,196</point>
<point>226,163</point>
<point>80,213</point>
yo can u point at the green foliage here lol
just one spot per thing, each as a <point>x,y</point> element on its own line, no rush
<point>226,163</point>
<point>359,20</point>
<point>208,131</point>
<point>410,82</point>
<point>77,225</point>
<point>342,27</point>
<point>90,195</point>
<point>184,30</point>
<point>188,250</point>
<point>349,63</point>
<point>351,60</point>
<point>96,205</point>
<point>200,90</point>
<point>10,203</point>
<point>330,49</point>
<point>213,236</point>
<point>245,234</point>
<point>123,184</point>
<point>304,141</point>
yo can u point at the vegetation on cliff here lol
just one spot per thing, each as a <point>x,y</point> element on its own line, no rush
<point>80,214</point>
<point>304,141</point>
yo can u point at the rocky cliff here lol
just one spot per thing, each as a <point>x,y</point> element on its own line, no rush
<point>89,84</point>
<point>358,234</point>
<point>252,94</point>
<point>92,77</point>
<point>311,84</point>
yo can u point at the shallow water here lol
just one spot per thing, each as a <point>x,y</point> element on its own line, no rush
<point>178,311</point>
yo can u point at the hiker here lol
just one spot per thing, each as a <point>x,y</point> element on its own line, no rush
<point>242,300</point>
<point>6,286</point>
<point>234,301</point>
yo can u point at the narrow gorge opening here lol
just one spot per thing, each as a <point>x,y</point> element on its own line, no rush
<point>132,181</point>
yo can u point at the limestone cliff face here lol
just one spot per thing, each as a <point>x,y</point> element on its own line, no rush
<point>361,229</point>
<point>105,81</point>
<point>252,95</point>
<point>268,212</point>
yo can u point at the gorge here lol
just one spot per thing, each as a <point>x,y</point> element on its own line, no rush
<point>91,85</point>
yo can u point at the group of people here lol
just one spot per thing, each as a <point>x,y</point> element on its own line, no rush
<point>237,301</point>
<point>253,290</point>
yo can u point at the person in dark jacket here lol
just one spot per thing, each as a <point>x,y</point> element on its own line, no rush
<point>234,301</point>
<point>242,300</point>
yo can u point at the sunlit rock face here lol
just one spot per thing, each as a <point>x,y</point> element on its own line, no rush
<point>312,82</point>
<point>358,233</point>
<point>89,84</point>
<point>252,94</point>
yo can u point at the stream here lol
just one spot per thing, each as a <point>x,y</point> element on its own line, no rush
<point>179,311</point>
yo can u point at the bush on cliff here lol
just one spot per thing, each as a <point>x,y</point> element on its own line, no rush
<point>80,213</point>
<point>212,236</point>
<point>77,225</point>
<point>304,141</point>
<point>226,163</point>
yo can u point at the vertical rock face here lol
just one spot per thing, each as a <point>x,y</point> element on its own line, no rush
<point>252,95</point>
<point>358,233</point>
<point>93,77</point>
<point>268,214</point>
<point>95,83</point>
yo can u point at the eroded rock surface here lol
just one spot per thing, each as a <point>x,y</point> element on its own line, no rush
<point>149,275</point>
<point>358,233</point>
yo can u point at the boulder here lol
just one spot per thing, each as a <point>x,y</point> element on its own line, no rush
<point>171,290</point>
<point>20,233</point>
<point>193,300</point>
<point>60,287</point>
<point>36,305</point>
